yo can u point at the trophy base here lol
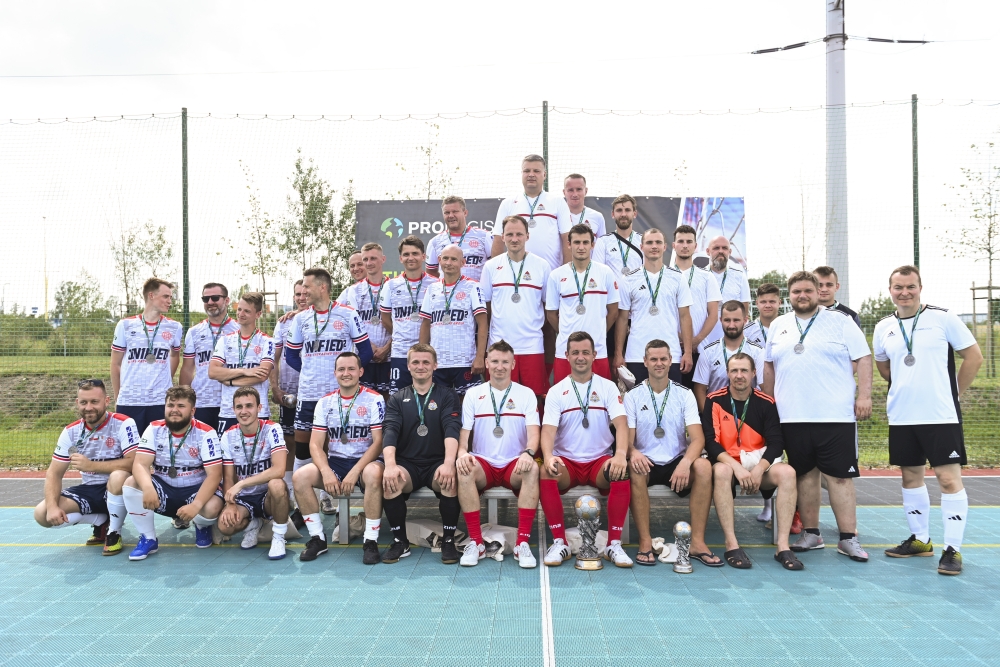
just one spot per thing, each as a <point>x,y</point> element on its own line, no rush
<point>683,569</point>
<point>589,564</point>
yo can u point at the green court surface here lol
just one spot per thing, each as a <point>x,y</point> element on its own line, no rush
<point>64,604</point>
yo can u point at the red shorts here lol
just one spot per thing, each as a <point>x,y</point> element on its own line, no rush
<point>498,476</point>
<point>561,369</point>
<point>584,473</point>
<point>529,370</point>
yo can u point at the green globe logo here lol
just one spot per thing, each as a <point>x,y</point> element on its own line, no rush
<point>388,224</point>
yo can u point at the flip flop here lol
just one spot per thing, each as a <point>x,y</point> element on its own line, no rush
<point>788,560</point>
<point>650,554</point>
<point>738,556</point>
<point>702,558</point>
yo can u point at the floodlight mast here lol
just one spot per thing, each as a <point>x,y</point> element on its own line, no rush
<point>836,147</point>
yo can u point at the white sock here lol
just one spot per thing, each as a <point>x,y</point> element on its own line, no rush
<point>314,523</point>
<point>202,522</point>
<point>142,518</point>
<point>94,519</point>
<point>72,518</point>
<point>116,508</point>
<point>300,462</point>
<point>372,527</point>
<point>955,512</point>
<point>917,505</point>
<point>279,529</point>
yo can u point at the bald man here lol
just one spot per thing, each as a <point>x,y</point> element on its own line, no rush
<point>732,281</point>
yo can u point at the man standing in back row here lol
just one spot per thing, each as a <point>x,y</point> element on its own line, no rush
<point>575,193</point>
<point>731,278</point>
<point>705,297</point>
<point>474,242</point>
<point>364,297</point>
<point>828,286</point>
<point>199,346</point>
<point>399,305</point>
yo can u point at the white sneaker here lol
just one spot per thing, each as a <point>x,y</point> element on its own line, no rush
<point>277,551</point>
<point>765,514</point>
<point>524,557</point>
<point>614,553</point>
<point>326,504</point>
<point>558,553</point>
<point>250,534</point>
<point>473,554</point>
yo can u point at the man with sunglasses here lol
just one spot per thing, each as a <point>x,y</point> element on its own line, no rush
<point>199,345</point>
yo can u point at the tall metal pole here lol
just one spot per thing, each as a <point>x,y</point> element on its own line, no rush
<point>545,141</point>
<point>916,184</point>
<point>836,148</point>
<point>184,205</point>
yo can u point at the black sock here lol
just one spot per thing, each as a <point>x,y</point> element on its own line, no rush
<point>302,451</point>
<point>395,512</point>
<point>450,509</point>
<point>812,531</point>
<point>846,536</point>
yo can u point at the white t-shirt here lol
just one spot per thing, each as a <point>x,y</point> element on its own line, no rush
<point>115,437</point>
<point>288,377</point>
<point>520,324</point>
<point>562,410</point>
<point>253,352</point>
<point>551,217</point>
<point>591,218</point>
<point>704,290</point>
<point>364,297</point>
<point>322,336</point>
<point>475,244</point>
<point>402,298</point>
<point>927,391</point>
<point>517,413</point>
<point>201,449</point>
<point>455,340</point>
<point>733,286</point>
<point>636,297</point>
<point>199,344</point>
<point>613,253</point>
<point>711,367</point>
<point>755,332</point>
<point>363,417</point>
<point>680,411</point>
<point>600,288</point>
<point>144,383</point>
<point>251,455</point>
<point>817,385</point>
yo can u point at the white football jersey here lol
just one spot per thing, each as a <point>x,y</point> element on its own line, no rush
<point>679,412</point>
<point>192,454</point>
<point>733,286</point>
<point>517,412</point>
<point>600,288</point>
<point>235,351</point>
<point>364,297</point>
<point>711,367</point>
<point>402,298</point>
<point>322,336</point>
<point>611,251</point>
<point>288,377</point>
<point>756,332</point>
<point>115,437</point>
<point>704,290</point>
<point>364,416</point>
<point>144,383</point>
<point>550,215</point>
<point>591,218</point>
<point>475,243</point>
<point>251,455</point>
<point>199,344</point>
<point>562,410</point>
<point>520,324</point>
<point>636,295</point>
<point>454,340</point>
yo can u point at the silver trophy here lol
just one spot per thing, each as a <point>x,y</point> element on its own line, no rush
<point>288,400</point>
<point>588,514</point>
<point>682,539</point>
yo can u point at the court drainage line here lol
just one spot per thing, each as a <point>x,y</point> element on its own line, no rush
<point>548,645</point>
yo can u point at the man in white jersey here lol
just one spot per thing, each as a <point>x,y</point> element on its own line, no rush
<point>199,346</point>
<point>348,422</point>
<point>711,372</point>
<point>253,460</point>
<point>475,243</point>
<point>285,381</point>
<point>513,287</point>
<point>575,193</point>
<point>356,266</point>
<point>768,303</point>
<point>502,418</point>
<point>732,280</point>
<point>915,351</point>
<point>581,296</point>
<point>399,305</point>
<point>809,371</point>
<point>101,445</point>
<point>664,429</point>
<point>657,300</point>
<point>145,353</point>
<point>828,286</point>
<point>705,296</point>
<point>621,250</point>
<point>364,297</point>
<point>243,359</point>
<point>576,445</point>
<point>186,460</point>
<point>454,324</point>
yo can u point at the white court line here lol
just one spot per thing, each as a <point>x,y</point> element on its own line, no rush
<point>548,645</point>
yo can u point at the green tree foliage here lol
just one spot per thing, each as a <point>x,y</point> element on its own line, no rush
<point>140,251</point>
<point>434,178</point>
<point>873,309</point>
<point>772,276</point>
<point>257,244</point>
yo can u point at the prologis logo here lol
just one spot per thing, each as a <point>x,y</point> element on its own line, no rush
<point>389,223</point>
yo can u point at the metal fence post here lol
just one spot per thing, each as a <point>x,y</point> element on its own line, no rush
<point>545,141</point>
<point>184,205</point>
<point>916,184</point>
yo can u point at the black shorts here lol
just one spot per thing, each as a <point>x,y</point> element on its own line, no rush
<point>208,416</point>
<point>687,379</point>
<point>92,498</point>
<point>304,413</point>
<point>639,370</point>
<point>916,444</point>
<point>399,374</point>
<point>660,474</point>
<point>460,379</point>
<point>422,474</point>
<point>376,376</point>
<point>254,503</point>
<point>226,423</point>
<point>143,415</point>
<point>341,466</point>
<point>830,446</point>
<point>287,420</point>
<point>172,498</point>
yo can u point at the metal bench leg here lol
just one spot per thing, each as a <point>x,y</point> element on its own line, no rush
<point>625,528</point>
<point>491,510</point>
<point>774,517</point>
<point>344,515</point>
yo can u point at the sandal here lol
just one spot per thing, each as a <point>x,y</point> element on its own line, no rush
<point>738,558</point>
<point>703,559</point>
<point>640,556</point>
<point>788,560</point>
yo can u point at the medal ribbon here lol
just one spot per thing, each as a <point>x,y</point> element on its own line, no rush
<point>256,439</point>
<point>624,253</point>
<point>421,408</point>
<point>663,405</point>
<point>340,406</point>
<point>580,221</point>
<point>517,280</point>
<point>725,357</point>
<point>741,419</point>
<point>584,405</point>
<point>87,435</point>
<point>373,297</point>
<point>531,207</point>
<point>329,313</point>
<point>763,330</point>
<point>581,292</point>
<point>215,337</point>
<point>242,350</point>
<point>170,444</point>
<point>413,297</point>
<point>802,334</point>
<point>462,237</point>
<point>913,329</point>
<point>653,294</point>
<point>150,339</point>
<point>690,273</point>
<point>448,297</point>
<point>496,413</point>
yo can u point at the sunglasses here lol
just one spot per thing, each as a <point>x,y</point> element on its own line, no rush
<point>213,298</point>
<point>93,382</point>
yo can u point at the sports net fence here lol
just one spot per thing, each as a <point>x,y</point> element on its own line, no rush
<point>91,207</point>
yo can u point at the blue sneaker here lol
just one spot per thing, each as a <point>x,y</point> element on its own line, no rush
<point>203,536</point>
<point>145,547</point>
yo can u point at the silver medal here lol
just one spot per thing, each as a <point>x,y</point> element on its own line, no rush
<point>446,318</point>
<point>799,348</point>
<point>627,271</point>
<point>343,438</point>
<point>375,320</point>
<point>498,432</point>
<point>532,223</point>
<point>653,310</point>
<point>515,297</point>
<point>421,430</point>
<point>909,360</point>
<point>415,317</point>
<point>580,309</point>
<point>151,357</point>
<point>172,472</point>
<point>659,432</point>
<point>586,423</point>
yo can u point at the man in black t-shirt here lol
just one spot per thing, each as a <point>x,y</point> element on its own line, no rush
<point>420,443</point>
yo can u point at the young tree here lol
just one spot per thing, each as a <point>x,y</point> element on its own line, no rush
<point>310,212</point>
<point>80,298</point>
<point>139,251</point>
<point>257,243</point>
<point>435,179</point>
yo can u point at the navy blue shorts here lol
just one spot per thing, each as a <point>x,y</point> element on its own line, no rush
<point>304,413</point>
<point>172,498</point>
<point>208,416</point>
<point>143,415</point>
<point>225,423</point>
<point>342,466</point>
<point>287,420</point>
<point>254,503</point>
<point>376,376</point>
<point>460,379</point>
<point>92,498</point>
<point>399,374</point>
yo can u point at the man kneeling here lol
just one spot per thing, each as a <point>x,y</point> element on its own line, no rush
<point>744,443</point>
<point>253,467</point>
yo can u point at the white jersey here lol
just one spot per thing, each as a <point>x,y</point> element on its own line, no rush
<point>517,412</point>
<point>591,218</point>
<point>711,367</point>
<point>600,289</point>
<point>322,336</point>
<point>927,391</point>
<point>192,454</point>
<point>562,410</point>
<point>520,324</point>
<point>363,417</point>
<point>251,454</point>
<point>454,340</point>
<point>679,412</point>
<point>818,384</point>
<point>548,218</point>
<point>756,332</point>
<point>733,286</point>
<point>116,436</point>
<point>235,351</point>
<point>704,290</point>
<point>288,377</point>
<point>146,383</point>
<point>475,243</point>
<point>401,298</point>
<point>617,255</point>
<point>364,297</point>
<point>636,296</point>
<point>199,344</point>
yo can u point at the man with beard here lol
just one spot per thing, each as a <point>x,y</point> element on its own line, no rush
<point>705,297</point>
<point>575,193</point>
<point>474,242</point>
<point>199,345</point>
<point>710,375</point>
<point>732,280</point>
<point>364,297</point>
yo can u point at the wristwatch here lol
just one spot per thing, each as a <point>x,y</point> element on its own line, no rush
<point>529,453</point>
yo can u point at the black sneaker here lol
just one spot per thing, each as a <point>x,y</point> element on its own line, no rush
<point>297,519</point>
<point>449,552</point>
<point>950,563</point>
<point>396,551</point>
<point>372,555</point>
<point>316,546</point>
<point>911,546</point>
<point>100,534</point>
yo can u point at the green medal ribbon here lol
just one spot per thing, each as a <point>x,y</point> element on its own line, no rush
<point>448,297</point>
<point>87,435</point>
<point>584,405</point>
<point>242,350</point>
<point>170,444</point>
<point>517,280</point>
<point>741,419</point>
<point>802,334</point>
<point>340,406</point>
<point>531,207</point>
<point>580,292</point>
<point>150,339</point>
<point>256,439</point>
<point>421,408</point>
<point>496,413</point>
<point>908,339</point>
<point>663,406</point>
<point>413,297</point>
<point>653,294</point>
<point>329,314</point>
<point>725,357</point>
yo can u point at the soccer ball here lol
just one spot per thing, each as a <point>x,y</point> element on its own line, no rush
<point>588,508</point>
